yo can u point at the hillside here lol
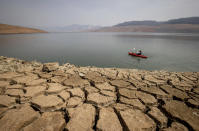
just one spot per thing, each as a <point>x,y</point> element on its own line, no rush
<point>189,20</point>
<point>10,29</point>
<point>168,28</point>
<point>182,25</point>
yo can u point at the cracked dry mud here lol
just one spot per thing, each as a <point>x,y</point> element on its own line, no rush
<point>35,96</point>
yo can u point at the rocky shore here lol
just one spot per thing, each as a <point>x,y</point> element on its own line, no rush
<point>36,96</point>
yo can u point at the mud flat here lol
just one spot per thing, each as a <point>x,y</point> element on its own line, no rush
<point>36,96</point>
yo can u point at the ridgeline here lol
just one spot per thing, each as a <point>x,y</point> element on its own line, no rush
<point>181,25</point>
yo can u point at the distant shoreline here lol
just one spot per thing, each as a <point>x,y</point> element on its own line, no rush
<point>165,28</point>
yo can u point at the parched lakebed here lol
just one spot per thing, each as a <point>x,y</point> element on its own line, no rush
<point>49,96</point>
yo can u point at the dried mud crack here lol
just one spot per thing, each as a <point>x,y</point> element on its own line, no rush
<point>36,96</point>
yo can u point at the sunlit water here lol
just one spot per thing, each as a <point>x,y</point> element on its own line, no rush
<point>172,52</point>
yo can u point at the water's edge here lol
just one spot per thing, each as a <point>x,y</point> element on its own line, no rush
<point>17,65</point>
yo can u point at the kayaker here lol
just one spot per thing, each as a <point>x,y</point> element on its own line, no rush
<point>139,52</point>
<point>133,50</point>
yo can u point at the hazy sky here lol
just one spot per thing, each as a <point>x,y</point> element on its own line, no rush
<point>94,12</point>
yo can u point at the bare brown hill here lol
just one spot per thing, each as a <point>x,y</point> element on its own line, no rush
<point>175,28</point>
<point>10,29</point>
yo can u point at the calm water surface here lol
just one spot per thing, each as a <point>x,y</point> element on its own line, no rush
<point>172,52</point>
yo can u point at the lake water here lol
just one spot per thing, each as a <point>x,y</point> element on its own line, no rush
<point>172,52</point>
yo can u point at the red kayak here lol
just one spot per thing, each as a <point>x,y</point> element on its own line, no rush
<point>134,54</point>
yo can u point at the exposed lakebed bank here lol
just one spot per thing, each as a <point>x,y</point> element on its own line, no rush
<point>35,96</point>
